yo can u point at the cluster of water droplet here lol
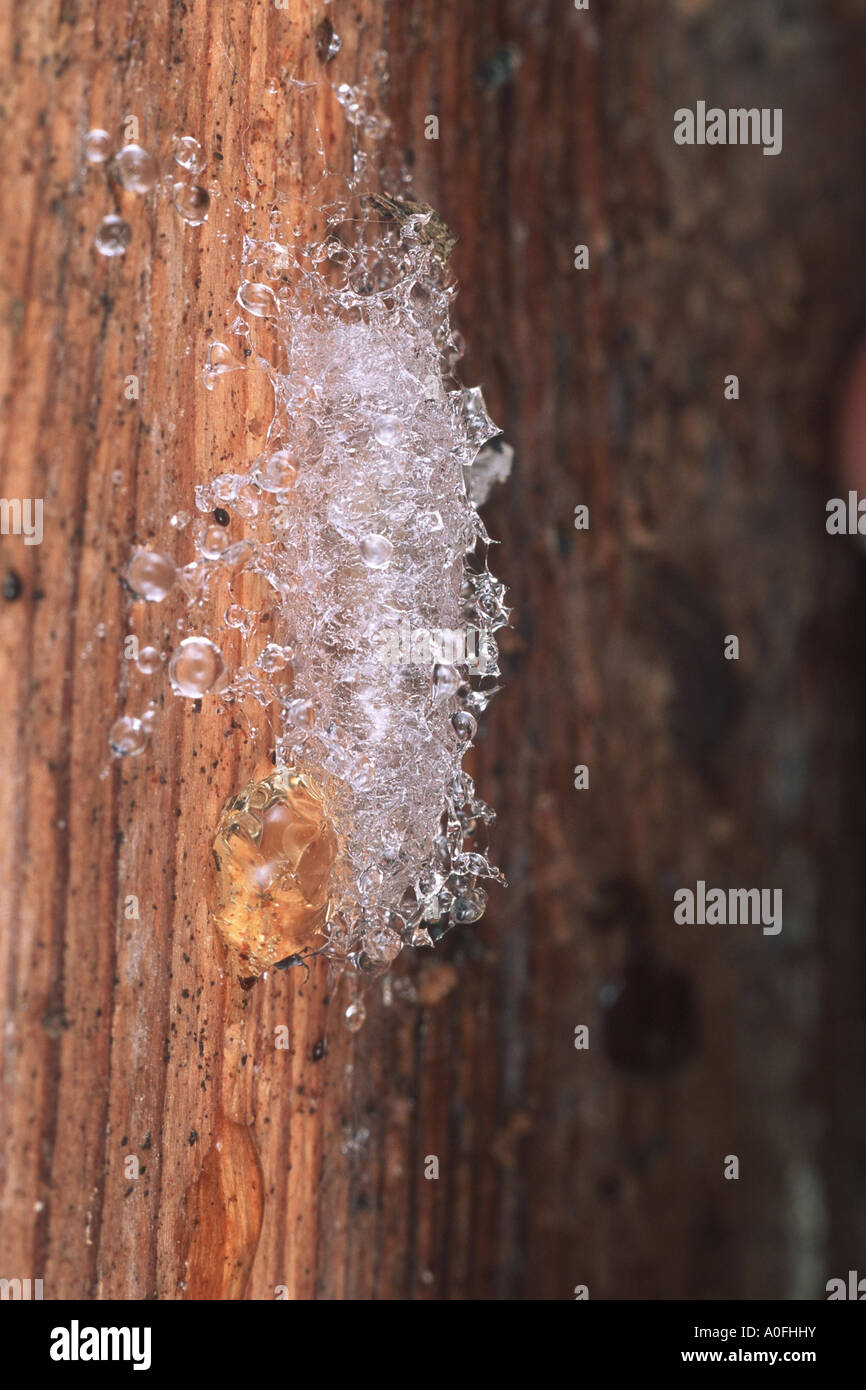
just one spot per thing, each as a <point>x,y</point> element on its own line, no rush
<point>363,525</point>
<point>357,521</point>
<point>137,171</point>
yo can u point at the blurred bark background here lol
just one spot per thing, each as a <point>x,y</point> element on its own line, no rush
<point>558,1167</point>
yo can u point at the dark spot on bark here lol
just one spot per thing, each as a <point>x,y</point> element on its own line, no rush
<point>12,586</point>
<point>55,1022</point>
<point>498,70</point>
<point>324,39</point>
<point>707,696</point>
<point>618,901</point>
<point>651,1027</point>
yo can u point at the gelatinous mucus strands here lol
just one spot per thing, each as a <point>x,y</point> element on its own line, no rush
<point>367,528</point>
<point>368,635</point>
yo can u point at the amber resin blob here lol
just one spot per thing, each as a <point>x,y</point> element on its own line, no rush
<point>274,851</point>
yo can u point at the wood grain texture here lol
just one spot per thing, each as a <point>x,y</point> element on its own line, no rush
<point>262,1168</point>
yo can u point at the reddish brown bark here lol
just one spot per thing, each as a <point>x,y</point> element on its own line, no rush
<point>557,1167</point>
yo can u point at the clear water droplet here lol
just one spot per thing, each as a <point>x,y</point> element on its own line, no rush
<point>192,202</point>
<point>277,472</point>
<point>274,657</point>
<point>248,500</point>
<point>479,425</point>
<point>376,552</point>
<point>355,1017</point>
<point>219,362</point>
<point>137,169</point>
<point>469,906</point>
<point>257,299</point>
<point>151,575</point>
<point>112,236</point>
<point>386,430</point>
<point>180,520</point>
<point>446,680</point>
<point>127,737</point>
<point>97,146</point>
<point>300,713</point>
<point>150,717</point>
<point>189,154</point>
<point>465,726</point>
<point>215,540</point>
<point>365,773</point>
<point>149,660</point>
<point>196,667</point>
